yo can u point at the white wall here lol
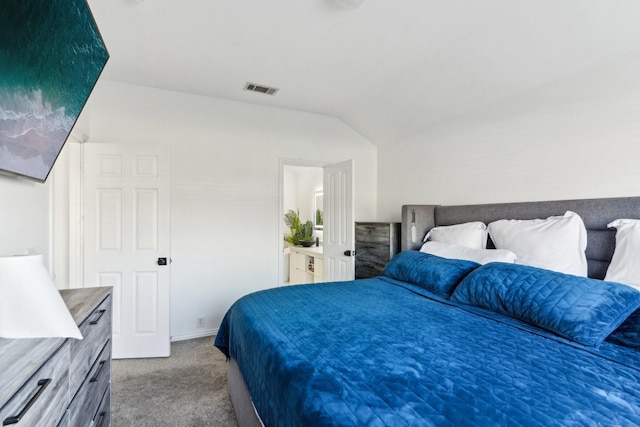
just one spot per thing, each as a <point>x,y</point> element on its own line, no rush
<point>289,193</point>
<point>24,217</point>
<point>33,220</point>
<point>578,138</point>
<point>225,185</point>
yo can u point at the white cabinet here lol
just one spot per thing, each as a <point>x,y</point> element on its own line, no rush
<point>318,275</point>
<point>297,268</point>
<point>305,265</point>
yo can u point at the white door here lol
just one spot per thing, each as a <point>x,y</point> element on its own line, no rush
<point>338,230</point>
<point>126,234</point>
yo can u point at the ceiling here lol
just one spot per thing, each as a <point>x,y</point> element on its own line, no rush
<point>388,68</point>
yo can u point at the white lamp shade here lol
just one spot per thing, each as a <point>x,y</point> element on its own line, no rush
<point>30,303</point>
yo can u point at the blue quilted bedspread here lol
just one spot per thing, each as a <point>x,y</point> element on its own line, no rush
<point>379,352</point>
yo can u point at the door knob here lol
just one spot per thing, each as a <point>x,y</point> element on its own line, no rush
<point>349,253</point>
<point>162,261</point>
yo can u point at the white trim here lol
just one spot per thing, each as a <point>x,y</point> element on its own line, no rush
<point>76,253</point>
<point>52,206</point>
<point>77,136</point>
<point>200,334</point>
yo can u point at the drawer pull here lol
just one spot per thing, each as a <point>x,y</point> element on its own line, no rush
<point>103,416</point>
<point>42,384</point>
<point>95,377</point>
<point>97,319</point>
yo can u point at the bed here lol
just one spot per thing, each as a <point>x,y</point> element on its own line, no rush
<point>445,341</point>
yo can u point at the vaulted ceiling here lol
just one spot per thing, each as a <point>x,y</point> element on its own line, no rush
<point>387,68</point>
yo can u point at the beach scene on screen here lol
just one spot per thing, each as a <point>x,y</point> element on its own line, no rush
<point>51,55</point>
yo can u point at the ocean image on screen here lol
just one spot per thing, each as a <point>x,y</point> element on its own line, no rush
<point>51,55</point>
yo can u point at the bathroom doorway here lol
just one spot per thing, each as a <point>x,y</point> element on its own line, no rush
<point>302,193</point>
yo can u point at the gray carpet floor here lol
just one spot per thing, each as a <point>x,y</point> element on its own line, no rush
<point>188,389</point>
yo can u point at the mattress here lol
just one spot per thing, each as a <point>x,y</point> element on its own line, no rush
<point>382,352</point>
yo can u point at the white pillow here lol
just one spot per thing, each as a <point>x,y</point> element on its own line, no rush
<point>469,234</point>
<point>625,264</point>
<point>556,243</point>
<point>481,256</point>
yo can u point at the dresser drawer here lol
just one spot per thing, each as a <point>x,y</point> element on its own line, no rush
<point>96,330</point>
<point>102,417</point>
<point>65,420</point>
<point>376,243</point>
<point>43,399</point>
<point>85,403</point>
<point>370,232</point>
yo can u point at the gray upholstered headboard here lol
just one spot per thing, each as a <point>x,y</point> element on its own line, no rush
<point>596,214</point>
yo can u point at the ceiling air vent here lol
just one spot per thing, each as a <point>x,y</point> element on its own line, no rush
<point>261,89</point>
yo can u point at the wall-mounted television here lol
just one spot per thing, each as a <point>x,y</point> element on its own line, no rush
<point>51,55</point>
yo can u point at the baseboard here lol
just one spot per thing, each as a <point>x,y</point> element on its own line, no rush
<point>200,334</point>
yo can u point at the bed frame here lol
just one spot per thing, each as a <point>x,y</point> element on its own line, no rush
<point>596,214</point>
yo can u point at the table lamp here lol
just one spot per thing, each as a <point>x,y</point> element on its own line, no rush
<point>30,303</point>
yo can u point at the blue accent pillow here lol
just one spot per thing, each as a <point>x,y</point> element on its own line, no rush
<point>436,274</point>
<point>577,308</point>
<point>628,334</point>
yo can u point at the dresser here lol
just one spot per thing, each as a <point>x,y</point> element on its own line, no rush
<point>375,243</point>
<point>61,382</point>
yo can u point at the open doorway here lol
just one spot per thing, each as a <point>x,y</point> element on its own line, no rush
<point>302,195</point>
<point>332,259</point>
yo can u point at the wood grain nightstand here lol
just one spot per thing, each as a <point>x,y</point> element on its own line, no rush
<point>376,243</point>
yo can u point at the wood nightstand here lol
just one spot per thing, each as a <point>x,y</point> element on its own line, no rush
<point>376,243</point>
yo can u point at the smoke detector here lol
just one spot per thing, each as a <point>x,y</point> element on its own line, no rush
<point>260,88</point>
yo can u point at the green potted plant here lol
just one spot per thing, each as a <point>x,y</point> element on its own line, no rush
<point>301,234</point>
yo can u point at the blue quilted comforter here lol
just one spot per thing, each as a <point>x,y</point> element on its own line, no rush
<point>384,352</point>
